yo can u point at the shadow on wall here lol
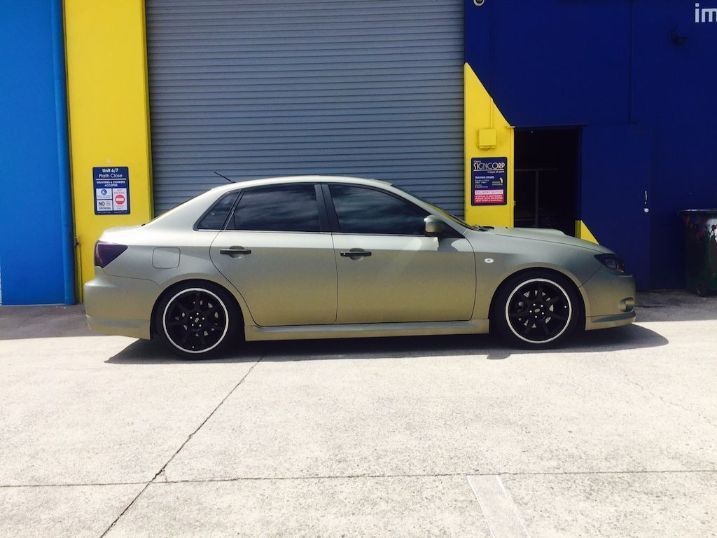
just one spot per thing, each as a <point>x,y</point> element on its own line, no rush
<point>482,346</point>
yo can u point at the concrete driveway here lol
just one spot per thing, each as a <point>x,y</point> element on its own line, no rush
<point>613,436</point>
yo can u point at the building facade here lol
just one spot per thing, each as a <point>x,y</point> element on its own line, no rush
<point>592,117</point>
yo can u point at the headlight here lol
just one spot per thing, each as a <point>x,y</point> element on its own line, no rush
<point>612,262</point>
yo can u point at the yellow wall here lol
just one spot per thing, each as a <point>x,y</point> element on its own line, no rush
<point>583,232</point>
<point>108,112</point>
<point>487,134</point>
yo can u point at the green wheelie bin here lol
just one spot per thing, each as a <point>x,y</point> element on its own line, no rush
<point>700,249</point>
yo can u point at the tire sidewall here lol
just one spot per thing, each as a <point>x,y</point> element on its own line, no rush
<point>231,334</point>
<point>499,318</point>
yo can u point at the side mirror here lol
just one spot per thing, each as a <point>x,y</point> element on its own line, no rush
<point>434,226</point>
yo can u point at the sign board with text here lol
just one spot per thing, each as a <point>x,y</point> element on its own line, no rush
<point>111,189</point>
<point>489,181</point>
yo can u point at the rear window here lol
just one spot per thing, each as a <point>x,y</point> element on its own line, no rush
<point>217,216</point>
<point>278,208</point>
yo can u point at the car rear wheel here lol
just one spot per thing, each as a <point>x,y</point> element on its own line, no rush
<point>197,320</point>
<point>536,310</point>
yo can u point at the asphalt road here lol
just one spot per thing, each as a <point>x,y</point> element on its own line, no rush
<point>615,435</point>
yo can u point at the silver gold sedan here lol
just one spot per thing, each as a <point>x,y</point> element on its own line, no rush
<point>330,257</point>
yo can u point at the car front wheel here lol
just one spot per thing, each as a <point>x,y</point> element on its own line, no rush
<point>536,309</point>
<point>197,320</point>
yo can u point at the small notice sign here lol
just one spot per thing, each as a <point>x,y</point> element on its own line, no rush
<point>111,185</point>
<point>489,181</point>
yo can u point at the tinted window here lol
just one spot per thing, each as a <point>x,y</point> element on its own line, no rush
<point>217,215</point>
<point>368,211</point>
<point>280,208</point>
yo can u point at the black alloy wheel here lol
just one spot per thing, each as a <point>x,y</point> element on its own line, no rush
<point>537,310</point>
<point>196,321</point>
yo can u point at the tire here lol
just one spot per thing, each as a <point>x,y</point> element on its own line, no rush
<point>197,320</point>
<point>536,310</point>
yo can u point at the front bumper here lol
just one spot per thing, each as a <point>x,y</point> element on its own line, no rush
<point>117,305</point>
<point>607,322</point>
<point>610,300</point>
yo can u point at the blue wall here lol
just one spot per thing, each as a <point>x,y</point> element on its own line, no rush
<point>639,77</point>
<point>36,264</point>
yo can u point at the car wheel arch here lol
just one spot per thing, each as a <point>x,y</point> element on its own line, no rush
<point>198,282</point>
<point>584,306</point>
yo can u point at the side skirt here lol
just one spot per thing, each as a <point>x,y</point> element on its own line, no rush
<point>365,330</point>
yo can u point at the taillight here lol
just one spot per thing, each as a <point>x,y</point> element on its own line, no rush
<point>105,253</point>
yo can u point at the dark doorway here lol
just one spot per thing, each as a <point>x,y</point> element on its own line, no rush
<point>546,178</point>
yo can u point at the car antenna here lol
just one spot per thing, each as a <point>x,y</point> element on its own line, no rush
<point>225,177</point>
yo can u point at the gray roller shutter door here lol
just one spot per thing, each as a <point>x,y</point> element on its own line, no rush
<point>367,88</point>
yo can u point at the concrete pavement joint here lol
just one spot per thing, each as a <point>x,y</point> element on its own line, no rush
<point>70,485</point>
<point>432,475</point>
<point>191,435</point>
<point>353,476</point>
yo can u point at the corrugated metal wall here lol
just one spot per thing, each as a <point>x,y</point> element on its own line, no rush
<point>371,88</point>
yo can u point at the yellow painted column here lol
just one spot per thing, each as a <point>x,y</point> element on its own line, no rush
<point>583,232</point>
<point>487,134</point>
<point>108,113</point>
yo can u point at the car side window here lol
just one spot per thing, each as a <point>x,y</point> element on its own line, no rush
<point>363,210</point>
<point>278,208</point>
<point>216,217</point>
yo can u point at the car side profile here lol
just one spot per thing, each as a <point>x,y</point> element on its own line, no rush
<point>333,257</point>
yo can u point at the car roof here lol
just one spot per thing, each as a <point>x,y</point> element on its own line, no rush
<point>301,179</point>
<point>192,209</point>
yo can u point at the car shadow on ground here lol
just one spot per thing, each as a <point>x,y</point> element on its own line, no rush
<point>484,346</point>
<point>27,322</point>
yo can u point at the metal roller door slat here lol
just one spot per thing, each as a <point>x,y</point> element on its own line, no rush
<point>370,88</point>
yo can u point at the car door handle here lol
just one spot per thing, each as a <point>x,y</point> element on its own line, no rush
<point>234,251</point>
<point>355,253</point>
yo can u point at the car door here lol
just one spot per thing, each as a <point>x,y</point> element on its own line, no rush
<point>388,270</point>
<point>277,251</point>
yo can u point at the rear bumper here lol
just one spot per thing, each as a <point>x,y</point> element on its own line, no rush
<point>122,306</point>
